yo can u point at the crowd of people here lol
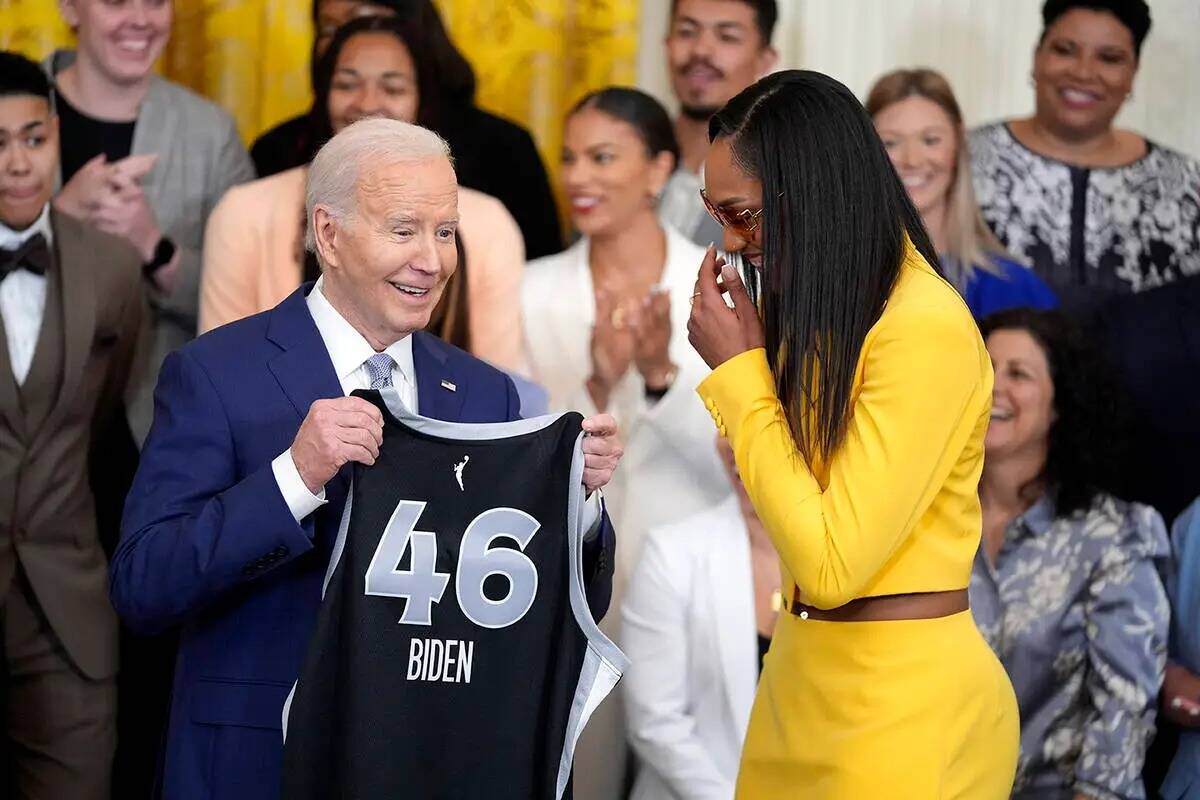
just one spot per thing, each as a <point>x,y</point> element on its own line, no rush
<point>133,220</point>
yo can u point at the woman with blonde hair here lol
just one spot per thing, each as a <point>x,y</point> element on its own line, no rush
<point>921,125</point>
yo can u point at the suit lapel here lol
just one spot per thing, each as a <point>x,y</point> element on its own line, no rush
<point>77,282</point>
<point>441,389</point>
<point>303,367</point>
<point>731,590</point>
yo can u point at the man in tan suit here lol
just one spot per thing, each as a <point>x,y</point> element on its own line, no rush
<point>70,304</point>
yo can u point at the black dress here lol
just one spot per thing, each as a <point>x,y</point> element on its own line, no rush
<point>491,155</point>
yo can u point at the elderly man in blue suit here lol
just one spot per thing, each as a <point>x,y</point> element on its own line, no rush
<point>228,529</point>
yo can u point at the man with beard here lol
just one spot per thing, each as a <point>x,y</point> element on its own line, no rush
<point>715,48</point>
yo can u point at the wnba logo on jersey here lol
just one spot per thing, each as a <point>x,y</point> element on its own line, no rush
<point>458,472</point>
<point>421,585</point>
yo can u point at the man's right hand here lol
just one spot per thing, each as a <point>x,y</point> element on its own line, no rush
<point>334,433</point>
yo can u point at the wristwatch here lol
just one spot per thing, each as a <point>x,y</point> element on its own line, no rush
<point>164,251</point>
<point>663,385</point>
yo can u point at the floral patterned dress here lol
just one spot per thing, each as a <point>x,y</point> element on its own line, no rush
<point>1076,611</point>
<point>1090,233</point>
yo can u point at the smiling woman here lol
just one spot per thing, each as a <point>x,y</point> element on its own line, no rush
<point>1066,585</point>
<point>921,125</point>
<point>1094,209</point>
<point>374,67</point>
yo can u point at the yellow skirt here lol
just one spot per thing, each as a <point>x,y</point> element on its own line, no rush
<point>909,709</point>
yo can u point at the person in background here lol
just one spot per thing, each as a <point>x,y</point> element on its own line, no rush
<point>696,624</point>
<point>70,308</point>
<point>1094,209</point>
<point>1152,339</point>
<point>605,332</point>
<point>1066,586</point>
<point>254,252</point>
<point>921,125</point>
<point>714,49</point>
<point>111,106</point>
<point>1181,684</point>
<point>518,179</point>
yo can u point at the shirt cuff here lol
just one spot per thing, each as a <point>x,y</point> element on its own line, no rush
<point>592,511</point>
<point>300,501</point>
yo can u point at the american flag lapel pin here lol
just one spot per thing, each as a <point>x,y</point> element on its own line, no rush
<point>449,386</point>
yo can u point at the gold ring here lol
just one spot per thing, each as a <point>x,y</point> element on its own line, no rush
<point>617,318</point>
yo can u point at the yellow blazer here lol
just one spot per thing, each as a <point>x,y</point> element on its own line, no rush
<point>896,509</point>
<point>252,261</point>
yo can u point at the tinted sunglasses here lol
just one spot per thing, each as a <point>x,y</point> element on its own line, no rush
<point>743,223</point>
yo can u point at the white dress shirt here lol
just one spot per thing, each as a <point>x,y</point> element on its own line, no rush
<point>349,351</point>
<point>23,299</point>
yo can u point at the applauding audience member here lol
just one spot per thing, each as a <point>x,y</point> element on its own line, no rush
<point>186,155</point>
<point>606,330</point>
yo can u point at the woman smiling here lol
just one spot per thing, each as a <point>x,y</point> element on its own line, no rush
<point>1095,210</point>
<point>1066,586</point>
<point>921,126</point>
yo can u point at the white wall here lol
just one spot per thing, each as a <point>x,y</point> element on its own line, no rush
<point>984,47</point>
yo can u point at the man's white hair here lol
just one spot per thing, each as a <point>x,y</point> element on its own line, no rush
<point>337,167</point>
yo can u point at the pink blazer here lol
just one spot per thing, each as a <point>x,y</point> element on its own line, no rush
<point>251,261</point>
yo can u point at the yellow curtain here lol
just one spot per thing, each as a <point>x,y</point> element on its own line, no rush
<point>251,56</point>
<point>534,58</point>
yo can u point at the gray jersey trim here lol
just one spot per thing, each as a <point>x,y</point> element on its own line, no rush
<point>603,662</point>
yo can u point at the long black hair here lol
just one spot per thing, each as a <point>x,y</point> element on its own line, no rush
<point>408,31</point>
<point>835,222</point>
<point>1089,439</point>
<point>638,110</point>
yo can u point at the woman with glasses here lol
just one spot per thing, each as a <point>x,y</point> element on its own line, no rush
<point>855,389</point>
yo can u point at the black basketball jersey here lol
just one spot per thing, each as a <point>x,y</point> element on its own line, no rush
<point>454,656</point>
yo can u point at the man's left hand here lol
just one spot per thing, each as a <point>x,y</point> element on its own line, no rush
<point>602,450</point>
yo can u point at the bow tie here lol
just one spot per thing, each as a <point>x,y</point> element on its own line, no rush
<point>32,255</point>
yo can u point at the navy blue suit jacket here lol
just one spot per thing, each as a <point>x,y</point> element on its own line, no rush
<point>208,543</point>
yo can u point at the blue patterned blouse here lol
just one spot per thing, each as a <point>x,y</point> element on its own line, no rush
<point>1076,611</point>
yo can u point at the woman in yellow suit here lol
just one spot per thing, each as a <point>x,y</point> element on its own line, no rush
<point>856,405</point>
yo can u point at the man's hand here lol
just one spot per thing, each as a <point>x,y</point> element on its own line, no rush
<point>336,432</point>
<point>602,450</point>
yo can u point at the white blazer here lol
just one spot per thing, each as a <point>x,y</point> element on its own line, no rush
<point>688,628</point>
<point>670,468</point>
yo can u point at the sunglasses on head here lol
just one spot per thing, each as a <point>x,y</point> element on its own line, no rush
<point>743,223</point>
